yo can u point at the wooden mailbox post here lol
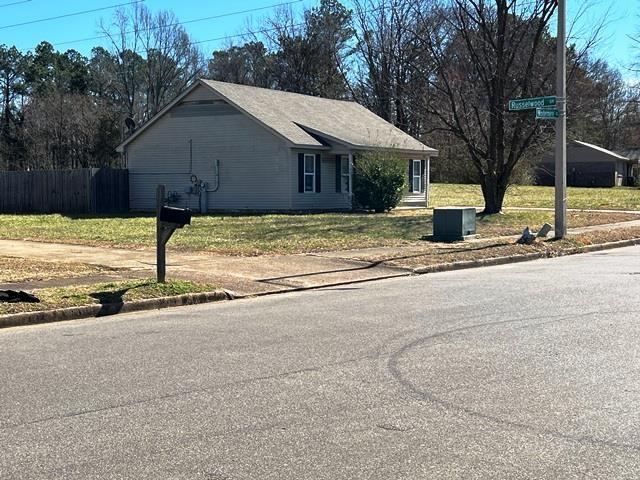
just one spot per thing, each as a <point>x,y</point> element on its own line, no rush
<point>168,219</point>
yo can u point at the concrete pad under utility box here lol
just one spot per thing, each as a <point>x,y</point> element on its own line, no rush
<point>453,223</point>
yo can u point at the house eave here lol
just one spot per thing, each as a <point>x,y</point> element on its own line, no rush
<point>426,151</point>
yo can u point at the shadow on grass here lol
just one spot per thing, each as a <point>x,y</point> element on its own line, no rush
<point>111,301</point>
<point>107,216</point>
<point>406,228</point>
<point>286,280</point>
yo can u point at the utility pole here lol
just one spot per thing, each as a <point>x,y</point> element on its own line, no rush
<point>561,125</point>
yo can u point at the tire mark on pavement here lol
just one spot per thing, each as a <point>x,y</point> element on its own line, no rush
<point>426,396</point>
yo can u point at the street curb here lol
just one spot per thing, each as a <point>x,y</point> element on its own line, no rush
<point>487,262</point>
<point>88,311</point>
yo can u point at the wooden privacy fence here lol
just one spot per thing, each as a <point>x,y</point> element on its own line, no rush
<point>87,190</point>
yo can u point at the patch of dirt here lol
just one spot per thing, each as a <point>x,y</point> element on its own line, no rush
<point>438,254</point>
<point>20,270</point>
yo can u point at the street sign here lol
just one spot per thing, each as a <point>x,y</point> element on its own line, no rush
<point>547,113</point>
<point>532,103</point>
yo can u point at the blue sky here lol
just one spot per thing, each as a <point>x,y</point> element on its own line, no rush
<point>617,47</point>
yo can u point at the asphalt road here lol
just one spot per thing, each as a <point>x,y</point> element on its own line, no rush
<point>522,371</point>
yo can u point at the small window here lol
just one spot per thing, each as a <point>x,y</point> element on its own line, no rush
<point>310,173</point>
<point>344,173</point>
<point>417,176</point>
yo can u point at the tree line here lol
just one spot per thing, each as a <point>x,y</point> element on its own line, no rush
<point>441,70</point>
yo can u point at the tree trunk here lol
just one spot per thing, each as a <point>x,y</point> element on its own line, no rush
<point>493,191</point>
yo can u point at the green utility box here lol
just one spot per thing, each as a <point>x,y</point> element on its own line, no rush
<point>453,223</point>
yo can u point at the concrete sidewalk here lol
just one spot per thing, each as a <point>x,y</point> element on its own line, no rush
<point>533,209</point>
<point>244,275</point>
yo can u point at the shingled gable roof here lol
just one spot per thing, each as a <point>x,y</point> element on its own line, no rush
<point>301,119</point>
<point>613,155</point>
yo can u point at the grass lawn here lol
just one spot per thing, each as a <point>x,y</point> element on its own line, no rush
<point>620,198</point>
<point>102,293</point>
<point>271,234</point>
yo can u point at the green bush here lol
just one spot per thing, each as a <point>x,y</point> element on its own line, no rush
<point>379,180</point>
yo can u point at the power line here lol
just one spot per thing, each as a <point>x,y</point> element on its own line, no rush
<point>66,15</point>
<point>227,37</point>
<point>267,30</point>
<point>195,20</point>
<point>261,31</point>
<point>14,3</point>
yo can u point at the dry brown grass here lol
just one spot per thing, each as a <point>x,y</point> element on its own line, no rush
<point>432,254</point>
<point>104,293</point>
<point>17,270</point>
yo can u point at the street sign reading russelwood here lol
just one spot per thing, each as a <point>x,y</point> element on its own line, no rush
<point>547,113</point>
<point>532,103</point>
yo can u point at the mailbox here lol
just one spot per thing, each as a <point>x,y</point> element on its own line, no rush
<point>177,216</point>
<point>168,219</point>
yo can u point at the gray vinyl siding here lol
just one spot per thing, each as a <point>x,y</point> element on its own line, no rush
<point>200,93</point>
<point>327,199</point>
<point>254,163</point>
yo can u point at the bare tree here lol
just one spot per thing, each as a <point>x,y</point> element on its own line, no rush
<point>63,131</point>
<point>155,58</point>
<point>485,53</point>
<point>393,63</point>
<point>309,55</point>
<point>613,105</point>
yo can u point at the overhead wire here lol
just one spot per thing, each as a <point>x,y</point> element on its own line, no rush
<point>72,14</point>
<point>243,34</point>
<point>186,22</point>
<point>14,3</point>
<point>197,42</point>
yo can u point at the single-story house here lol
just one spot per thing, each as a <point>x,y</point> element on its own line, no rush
<point>588,166</point>
<point>220,146</point>
<point>633,155</point>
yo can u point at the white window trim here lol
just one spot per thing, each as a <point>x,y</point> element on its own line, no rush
<point>312,175</point>
<point>417,175</point>
<point>345,160</point>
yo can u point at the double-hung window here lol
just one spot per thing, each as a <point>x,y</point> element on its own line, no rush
<point>344,174</point>
<point>309,173</point>
<point>417,176</point>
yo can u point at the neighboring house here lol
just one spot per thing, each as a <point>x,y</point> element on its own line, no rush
<point>222,146</point>
<point>588,166</point>
<point>633,154</point>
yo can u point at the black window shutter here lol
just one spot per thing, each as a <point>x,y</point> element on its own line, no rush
<point>318,173</point>
<point>338,173</point>
<point>411,175</point>
<point>423,164</point>
<point>301,173</point>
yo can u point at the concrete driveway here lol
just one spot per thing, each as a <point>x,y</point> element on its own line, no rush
<point>520,371</point>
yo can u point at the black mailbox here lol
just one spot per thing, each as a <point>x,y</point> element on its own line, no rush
<point>178,216</point>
